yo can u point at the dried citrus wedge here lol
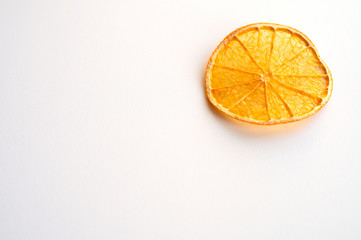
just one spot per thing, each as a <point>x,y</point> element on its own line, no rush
<point>267,74</point>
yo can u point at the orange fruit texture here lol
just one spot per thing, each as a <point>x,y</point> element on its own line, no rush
<point>267,74</point>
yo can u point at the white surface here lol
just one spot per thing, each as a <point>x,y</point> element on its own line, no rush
<point>105,131</point>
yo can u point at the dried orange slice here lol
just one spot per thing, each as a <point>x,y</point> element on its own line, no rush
<point>267,74</point>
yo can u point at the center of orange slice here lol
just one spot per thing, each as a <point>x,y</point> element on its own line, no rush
<point>267,76</point>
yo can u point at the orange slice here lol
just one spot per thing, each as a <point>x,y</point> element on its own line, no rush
<point>267,74</point>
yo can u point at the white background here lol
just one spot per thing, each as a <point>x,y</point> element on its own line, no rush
<point>106,133</point>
